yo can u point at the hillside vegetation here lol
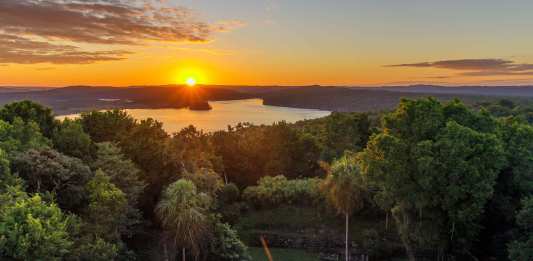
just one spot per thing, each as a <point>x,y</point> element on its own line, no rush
<point>428,180</point>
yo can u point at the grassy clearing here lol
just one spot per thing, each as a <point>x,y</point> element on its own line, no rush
<point>283,254</point>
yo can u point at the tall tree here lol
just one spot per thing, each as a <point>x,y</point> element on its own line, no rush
<point>183,214</point>
<point>70,139</point>
<point>30,111</point>
<point>434,167</point>
<point>344,189</point>
<point>107,125</point>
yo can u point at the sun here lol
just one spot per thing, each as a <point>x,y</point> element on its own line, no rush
<point>191,82</point>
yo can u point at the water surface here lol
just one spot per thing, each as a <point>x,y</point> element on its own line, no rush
<point>224,113</point>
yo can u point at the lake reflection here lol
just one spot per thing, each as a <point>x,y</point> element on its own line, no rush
<point>224,113</point>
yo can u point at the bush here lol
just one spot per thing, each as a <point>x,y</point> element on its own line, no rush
<point>273,191</point>
<point>227,246</point>
<point>229,193</point>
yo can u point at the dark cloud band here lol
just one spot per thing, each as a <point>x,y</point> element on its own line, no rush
<point>476,67</point>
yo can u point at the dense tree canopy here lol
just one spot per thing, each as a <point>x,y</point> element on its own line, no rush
<point>21,136</point>
<point>32,229</point>
<point>251,152</point>
<point>29,111</point>
<point>434,168</point>
<point>70,139</point>
<point>48,171</point>
<point>456,179</point>
<point>522,248</point>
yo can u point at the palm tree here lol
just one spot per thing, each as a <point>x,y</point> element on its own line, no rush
<point>183,213</point>
<point>344,190</point>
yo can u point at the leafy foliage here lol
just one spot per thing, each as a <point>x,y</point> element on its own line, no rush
<point>434,168</point>
<point>273,191</point>
<point>522,249</point>
<point>226,245</point>
<point>252,152</point>
<point>344,186</point>
<point>31,229</point>
<point>46,170</point>
<point>21,136</point>
<point>107,126</point>
<point>71,140</point>
<point>29,111</point>
<point>123,174</point>
<point>106,212</point>
<point>184,214</point>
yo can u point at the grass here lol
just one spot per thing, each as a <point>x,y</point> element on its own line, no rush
<point>304,221</point>
<point>280,254</point>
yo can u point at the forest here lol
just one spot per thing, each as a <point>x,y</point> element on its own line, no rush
<point>428,180</point>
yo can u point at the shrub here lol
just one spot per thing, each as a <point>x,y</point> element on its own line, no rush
<point>273,191</point>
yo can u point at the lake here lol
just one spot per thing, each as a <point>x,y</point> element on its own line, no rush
<point>224,113</point>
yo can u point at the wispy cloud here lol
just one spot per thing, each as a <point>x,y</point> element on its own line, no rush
<point>52,31</point>
<point>44,68</point>
<point>15,49</point>
<point>476,67</point>
<point>228,25</point>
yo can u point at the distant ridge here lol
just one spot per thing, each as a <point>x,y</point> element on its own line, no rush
<point>75,99</point>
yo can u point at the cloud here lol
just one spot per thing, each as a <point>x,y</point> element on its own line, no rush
<point>52,31</point>
<point>45,68</point>
<point>476,67</point>
<point>226,26</point>
<point>15,49</point>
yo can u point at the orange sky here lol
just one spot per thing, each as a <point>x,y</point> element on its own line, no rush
<point>271,43</point>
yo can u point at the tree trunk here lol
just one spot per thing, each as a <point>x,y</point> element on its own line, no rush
<point>165,251</point>
<point>346,252</point>
<point>387,221</point>
<point>183,254</point>
<point>403,229</point>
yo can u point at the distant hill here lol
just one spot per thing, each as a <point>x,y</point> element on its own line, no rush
<point>379,98</point>
<point>83,98</point>
<point>510,91</point>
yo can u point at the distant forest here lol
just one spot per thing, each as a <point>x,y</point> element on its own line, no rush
<point>425,180</point>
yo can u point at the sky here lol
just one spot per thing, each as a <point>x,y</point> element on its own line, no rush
<point>265,42</point>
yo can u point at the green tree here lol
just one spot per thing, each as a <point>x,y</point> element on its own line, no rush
<point>108,125</point>
<point>434,167</point>
<point>6,178</point>
<point>30,111</point>
<point>195,150</point>
<point>106,212</point>
<point>226,245</point>
<point>206,181</point>
<point>184,215</point>
<point>21,136</point>
<point>31,229</point>
<point>522,248</point>
<point>48,171</point>
<point>345,132</point>
<point>251,152</point>
<point>344,189</point>
<point>123,173</point>
<point>514,183</point>
<point>71,140</point>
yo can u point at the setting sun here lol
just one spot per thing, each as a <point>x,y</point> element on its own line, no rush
<point>191,82</point>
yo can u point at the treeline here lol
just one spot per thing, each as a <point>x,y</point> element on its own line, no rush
<point>456,181</point>
<point>101,186</point>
